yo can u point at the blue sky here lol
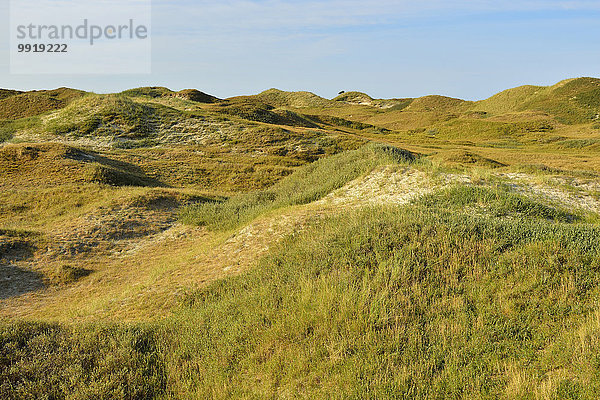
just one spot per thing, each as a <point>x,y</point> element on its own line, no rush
<point>467,49</point>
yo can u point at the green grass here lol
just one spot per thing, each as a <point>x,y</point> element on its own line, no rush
<point>151,92</point>
<point>307,184</point>
<point>466,158</point>
<point>29,104</point>
<point>49,207</point>
<point>495,201</point>
<point>577,143</point>
<point>261,112</point>
<point>358,98</point>
<point>405,303</point>
<point>279,98</point>
<point>486,130</point>
<point>4,93</point>
<point>44,361</point>
<point>340,122</point>
<point>510,100</point>
<point>33,166</point>
<point>571,101</point>
<point>112,115</point>
<point>165,93</point>
<point>8,128</point>
<point>438,103</point>
<point>428,300</point>
<point>5,134</point>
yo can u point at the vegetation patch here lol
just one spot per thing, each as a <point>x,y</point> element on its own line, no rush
<point>110,115</point>
<point>261,112</point>
<point>437,103</point>
<point>280,98</point>
<point>17,244</point>
<point>499,202</point>
<point>401,303</point>
<point>4,93</point>
<point>34,103</point>
<point>65,274</point>
<point>577,143</point>
<point>308,184</point>
<point>45,361</point>
<point>358,98</point>
<point>150,91</point>
<point>30,104</point>
<point>571,102</point>
<point>53,164</point>
<point>467,158</point>
<point>27,105</point>
<point>155,92</point>
<point>196,96</point>
<point>8,128</point>
<point>335,121</point>
<point>109,175</point>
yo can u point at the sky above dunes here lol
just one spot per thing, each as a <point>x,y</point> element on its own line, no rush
<point>466,49</point>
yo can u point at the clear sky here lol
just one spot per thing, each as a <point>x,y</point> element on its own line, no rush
<point>386,48</point>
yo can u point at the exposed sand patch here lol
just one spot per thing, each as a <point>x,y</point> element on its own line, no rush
<point>389,185</point>
<point>395,186</point>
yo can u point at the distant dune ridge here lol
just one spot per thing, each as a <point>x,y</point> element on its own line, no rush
<point>571,101</point>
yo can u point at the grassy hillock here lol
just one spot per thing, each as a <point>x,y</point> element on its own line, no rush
<point>354,98</point>
<point>28,104</point>
<point>15,104</point>
<point>336,122</point>
<point>476,129</point>
<point>262,112</point>
<point>279,98</point>
<point>571,101</point>
<point>4,93</point>
<point>510,100</point>
<point>437,103</point>
<point>20,111</point>
<point>155,92</point>
<point>196,96</point>
<point>150,91</point>
<point>112,115</point>
<point>466,158</point>
<point>424,301</point>
<point>359,98</point>
<point>43,165</point>
<point>398,114</point>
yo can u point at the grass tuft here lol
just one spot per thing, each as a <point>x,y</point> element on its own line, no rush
<point>65,274</point>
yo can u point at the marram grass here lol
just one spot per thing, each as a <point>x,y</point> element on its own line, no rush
<point>420,301</point>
